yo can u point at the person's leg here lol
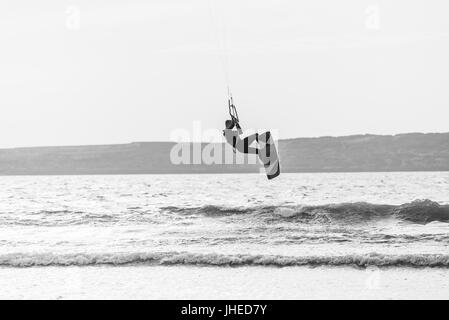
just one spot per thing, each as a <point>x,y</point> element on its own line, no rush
<point>251,138</point>
<point>243,146</point>
<point>265,137</point>
<point>265,142</point>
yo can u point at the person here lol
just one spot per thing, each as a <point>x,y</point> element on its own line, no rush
<point>233,137</point>
<point>265,150</point>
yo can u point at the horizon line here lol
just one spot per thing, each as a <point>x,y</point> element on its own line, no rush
<point>207,142</point>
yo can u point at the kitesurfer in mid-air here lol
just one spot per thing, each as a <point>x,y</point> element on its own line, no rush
<point>266,150</point>
<point>233,137</point>
<point>233,133</point>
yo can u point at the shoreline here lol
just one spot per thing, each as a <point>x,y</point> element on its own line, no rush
<point>195,282</point>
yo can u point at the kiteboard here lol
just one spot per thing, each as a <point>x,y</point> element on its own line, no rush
<point>270,158</point>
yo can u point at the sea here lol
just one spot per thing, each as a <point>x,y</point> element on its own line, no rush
<point>351,220</point>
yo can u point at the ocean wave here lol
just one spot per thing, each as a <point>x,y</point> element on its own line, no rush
<point>56,218</point>
<point>419,211</point>
<point>220,260</point>
<point>217,211</point>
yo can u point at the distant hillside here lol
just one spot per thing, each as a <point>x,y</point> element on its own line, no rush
<point>404,152</point>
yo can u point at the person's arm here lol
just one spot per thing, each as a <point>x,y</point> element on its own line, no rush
<point>239,129</point>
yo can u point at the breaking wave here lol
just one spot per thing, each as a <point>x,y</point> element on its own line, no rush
<point>220,260</point>
<point>419,211</point>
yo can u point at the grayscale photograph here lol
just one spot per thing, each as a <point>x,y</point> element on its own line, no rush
<point>199,150</point>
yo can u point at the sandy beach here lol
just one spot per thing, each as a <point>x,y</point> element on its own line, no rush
<point>143,282</point>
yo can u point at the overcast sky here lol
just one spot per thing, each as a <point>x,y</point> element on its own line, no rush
<point>105,71</point>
